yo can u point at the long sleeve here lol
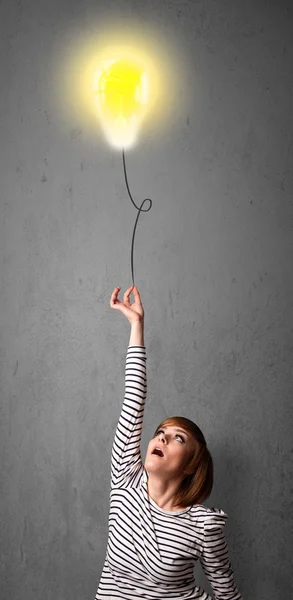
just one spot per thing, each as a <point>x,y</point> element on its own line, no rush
<point>215,560</point>
<point>126,456</point>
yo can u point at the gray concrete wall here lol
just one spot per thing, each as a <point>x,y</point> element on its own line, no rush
<point>213,263</point>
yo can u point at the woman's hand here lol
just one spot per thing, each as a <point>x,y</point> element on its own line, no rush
<point>133,312</point>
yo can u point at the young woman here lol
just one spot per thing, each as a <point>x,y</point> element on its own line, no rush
<point>158,526</point>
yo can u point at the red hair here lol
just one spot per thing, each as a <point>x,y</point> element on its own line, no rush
<point>197,481</point>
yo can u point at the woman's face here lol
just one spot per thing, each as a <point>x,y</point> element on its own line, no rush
<point>168,451</point>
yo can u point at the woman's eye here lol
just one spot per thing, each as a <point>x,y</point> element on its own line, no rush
<point>177,435</point>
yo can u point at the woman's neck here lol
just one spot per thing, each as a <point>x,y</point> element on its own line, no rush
<point>163,492</point>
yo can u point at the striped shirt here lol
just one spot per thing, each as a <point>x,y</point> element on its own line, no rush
<point>151,552</point>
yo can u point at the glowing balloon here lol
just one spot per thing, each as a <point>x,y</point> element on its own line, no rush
<point>121,92</point>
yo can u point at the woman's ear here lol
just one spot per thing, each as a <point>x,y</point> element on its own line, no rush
<point>191,461</point>
<point>189,467</point>
<point>188,471</point>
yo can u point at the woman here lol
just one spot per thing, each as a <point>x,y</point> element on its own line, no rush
<point>158,526</point>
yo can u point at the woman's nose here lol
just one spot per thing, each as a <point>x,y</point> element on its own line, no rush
<point>162,438</point>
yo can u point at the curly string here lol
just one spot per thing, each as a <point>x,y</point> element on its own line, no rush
<point>139,208</point>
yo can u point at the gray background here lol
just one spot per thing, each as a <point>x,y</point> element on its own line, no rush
<point>213,263</point>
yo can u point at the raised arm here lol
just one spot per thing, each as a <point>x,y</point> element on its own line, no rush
<point>137,333</point>
<point>126,457</point>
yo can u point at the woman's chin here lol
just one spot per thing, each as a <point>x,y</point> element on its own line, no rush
<point>152,464</point>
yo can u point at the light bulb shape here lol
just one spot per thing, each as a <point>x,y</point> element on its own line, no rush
<point>121,93</point>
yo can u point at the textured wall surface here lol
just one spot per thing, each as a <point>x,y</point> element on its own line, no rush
<point>213,263</point>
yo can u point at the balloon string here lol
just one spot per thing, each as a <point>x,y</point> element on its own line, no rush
<point>140,209</point>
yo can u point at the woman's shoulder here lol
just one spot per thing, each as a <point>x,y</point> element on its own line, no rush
<point>205,515</point>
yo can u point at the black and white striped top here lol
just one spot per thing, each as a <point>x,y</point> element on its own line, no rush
<point>151,552</point>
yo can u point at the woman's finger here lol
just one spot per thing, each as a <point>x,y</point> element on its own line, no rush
<point>136,295</point>
<point>116,290</point>
<point>127,294</point>
<point>114,295</point>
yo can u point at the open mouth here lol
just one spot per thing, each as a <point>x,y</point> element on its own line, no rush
<point>158,452</point>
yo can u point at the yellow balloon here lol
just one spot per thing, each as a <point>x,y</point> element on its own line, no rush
<point>121,92</point>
